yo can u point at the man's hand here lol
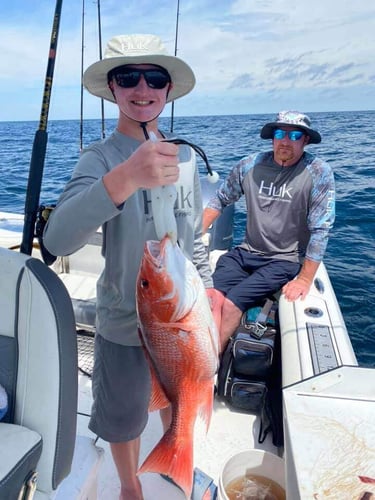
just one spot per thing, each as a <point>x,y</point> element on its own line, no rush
<point>152,164</point>
<point>296,289</point>
<point>209,215</point>
<point>300,286</point>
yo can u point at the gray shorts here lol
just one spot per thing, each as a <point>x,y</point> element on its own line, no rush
<point>121,387</point>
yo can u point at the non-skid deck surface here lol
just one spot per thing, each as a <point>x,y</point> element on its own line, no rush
<point>230,432</point>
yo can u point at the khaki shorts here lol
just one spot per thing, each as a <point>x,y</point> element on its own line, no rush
<point>121,387</point>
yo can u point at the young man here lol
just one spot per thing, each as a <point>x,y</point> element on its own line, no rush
<point>290,198</point>
<point>110,187</point>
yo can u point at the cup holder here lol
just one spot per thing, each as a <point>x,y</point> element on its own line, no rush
<point>313,312</point>
<point>319,285</point>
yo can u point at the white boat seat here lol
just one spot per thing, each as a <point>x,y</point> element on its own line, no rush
<point>38,369</point>
<point>23,448</point>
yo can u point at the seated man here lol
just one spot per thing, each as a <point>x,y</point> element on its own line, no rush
<point>290,199</point>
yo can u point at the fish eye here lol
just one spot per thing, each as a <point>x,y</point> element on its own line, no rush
<point>144,283</point>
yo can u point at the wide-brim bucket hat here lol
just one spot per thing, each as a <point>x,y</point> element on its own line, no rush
<point>294,119</point>
<point>138,49</point>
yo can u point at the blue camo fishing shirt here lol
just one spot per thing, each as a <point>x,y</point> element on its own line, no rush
<point>290,210</point>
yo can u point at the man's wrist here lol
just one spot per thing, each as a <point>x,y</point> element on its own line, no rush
<point>305,279</point>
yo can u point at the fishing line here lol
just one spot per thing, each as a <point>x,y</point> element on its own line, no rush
<point>212,175</point>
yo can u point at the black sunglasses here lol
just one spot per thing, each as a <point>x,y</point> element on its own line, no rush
<point>156,78</point>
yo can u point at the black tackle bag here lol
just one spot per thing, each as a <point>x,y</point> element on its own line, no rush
<point>249,376</point>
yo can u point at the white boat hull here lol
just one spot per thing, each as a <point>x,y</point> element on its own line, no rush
<point>304,376</point>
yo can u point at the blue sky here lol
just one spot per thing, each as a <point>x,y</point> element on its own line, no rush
<point>249,56</point>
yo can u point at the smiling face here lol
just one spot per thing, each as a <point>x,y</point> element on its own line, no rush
<point>286,151</point>
<point>141,103</point>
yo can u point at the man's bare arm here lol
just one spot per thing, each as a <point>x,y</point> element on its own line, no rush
<point>209,216</point>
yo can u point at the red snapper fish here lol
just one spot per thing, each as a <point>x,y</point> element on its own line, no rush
<point>181,343</point>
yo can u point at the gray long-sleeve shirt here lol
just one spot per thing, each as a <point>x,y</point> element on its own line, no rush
<point>85,205</point>
<point>290,210</point>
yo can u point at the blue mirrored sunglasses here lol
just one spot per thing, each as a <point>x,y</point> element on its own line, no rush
<point>294,135</point>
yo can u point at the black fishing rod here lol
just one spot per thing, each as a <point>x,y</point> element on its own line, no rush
<point>40,144</point>
<point>175,53</point>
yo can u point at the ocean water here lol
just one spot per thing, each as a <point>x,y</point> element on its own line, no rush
<point>348,144</point>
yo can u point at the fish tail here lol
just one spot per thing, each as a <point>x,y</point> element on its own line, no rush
<point>173,458</point>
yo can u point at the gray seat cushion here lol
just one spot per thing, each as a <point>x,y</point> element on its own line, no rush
<point>21,452</point>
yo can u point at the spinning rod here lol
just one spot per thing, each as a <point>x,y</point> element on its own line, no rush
<point>40,144</point>
<point>175,53</point>
<point>212,175</point>
<point>82,70</point>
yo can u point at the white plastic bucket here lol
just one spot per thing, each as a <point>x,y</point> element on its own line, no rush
<point>257,462</point>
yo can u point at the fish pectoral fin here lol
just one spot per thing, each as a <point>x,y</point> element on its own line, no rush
<point>175,329</point>
<point>170,326</point>
<point>158,399</point>
<point>206,392</point>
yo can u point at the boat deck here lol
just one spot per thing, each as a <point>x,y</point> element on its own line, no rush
<point>230,432</point>
<point>320,379</point>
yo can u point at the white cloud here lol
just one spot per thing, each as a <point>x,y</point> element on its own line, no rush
<point>247,54</point>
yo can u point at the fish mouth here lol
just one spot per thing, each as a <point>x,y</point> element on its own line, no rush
<point>168,261</point>
<point>158,251</point>
<point>153,249</point>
